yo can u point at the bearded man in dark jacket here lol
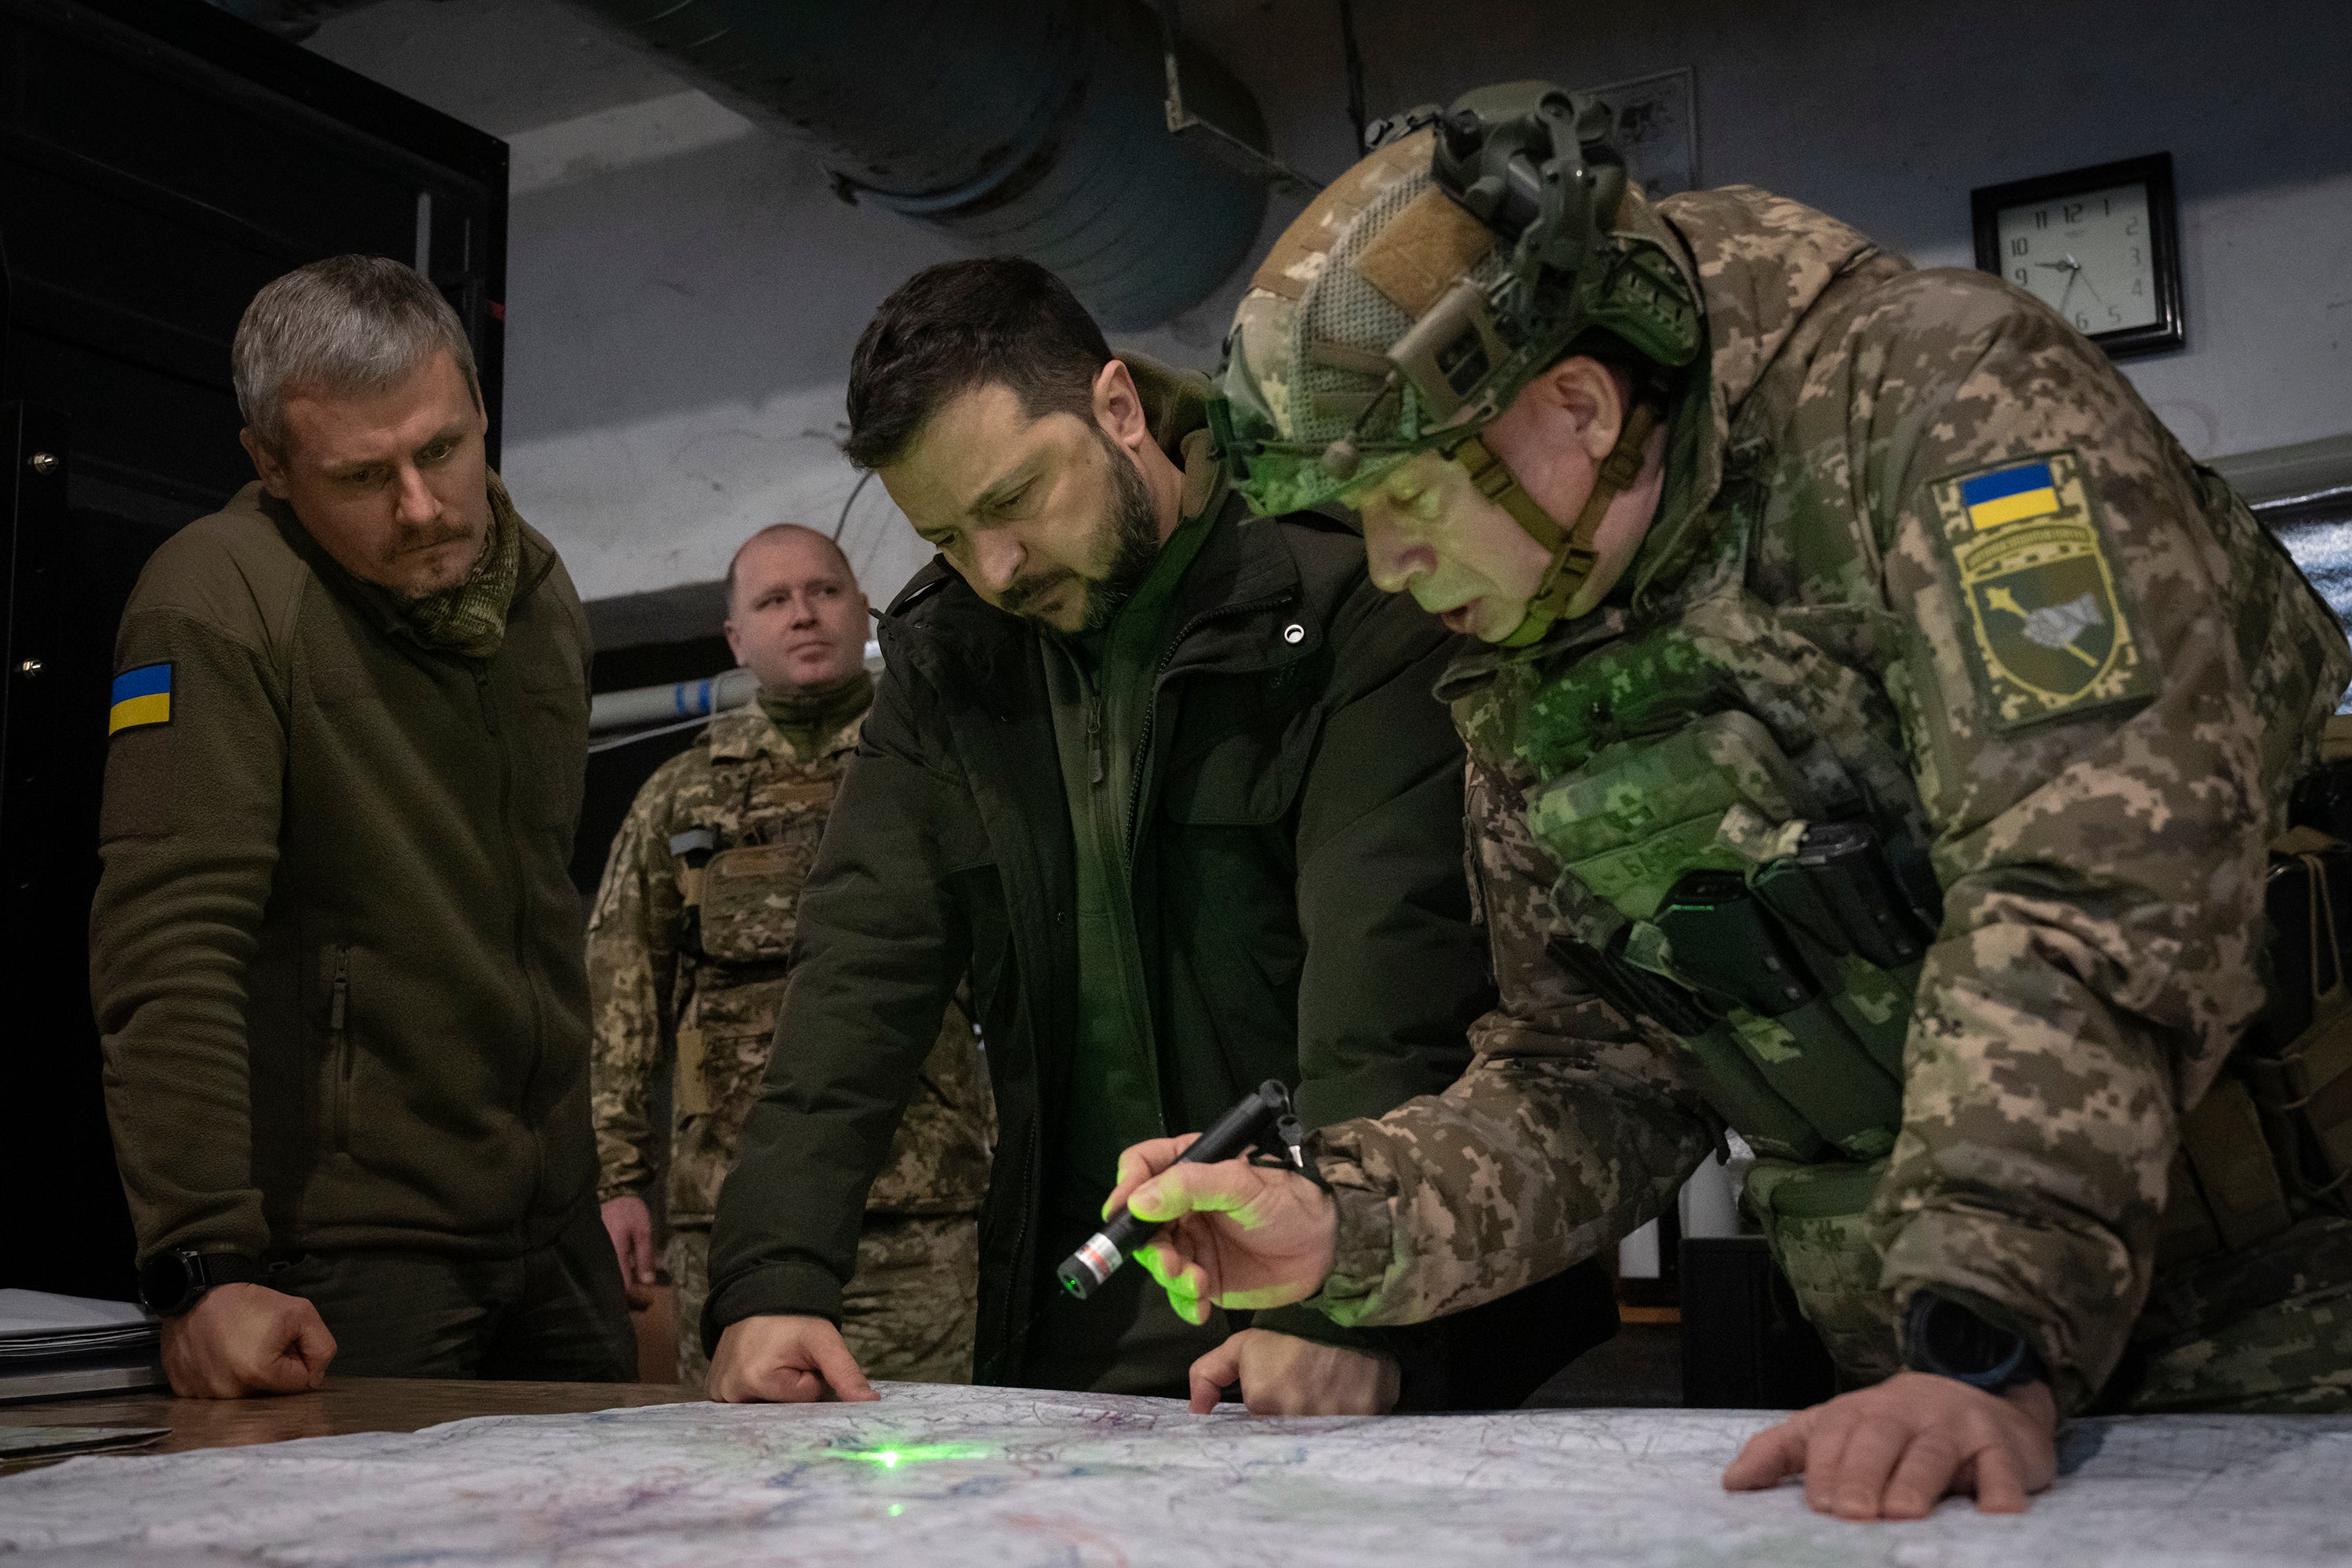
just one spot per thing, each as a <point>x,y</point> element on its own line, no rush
<point>1170,784</point>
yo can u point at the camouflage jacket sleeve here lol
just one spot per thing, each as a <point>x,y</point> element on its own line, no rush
<point>1569,1130</point>
<point>2100,853</point>
<point>632,967</point>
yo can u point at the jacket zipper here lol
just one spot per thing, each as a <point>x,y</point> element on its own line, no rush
<point>515,883</point>
<point>339,1002</point>
<point>1151,709</point>
<point>1014,1274</point>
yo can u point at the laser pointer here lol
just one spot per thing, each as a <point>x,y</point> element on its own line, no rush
<point>1263,1121</point>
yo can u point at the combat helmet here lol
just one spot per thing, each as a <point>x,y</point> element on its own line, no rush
<point>1470,250</point>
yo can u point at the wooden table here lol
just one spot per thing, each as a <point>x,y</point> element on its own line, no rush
<point>344,1404</point>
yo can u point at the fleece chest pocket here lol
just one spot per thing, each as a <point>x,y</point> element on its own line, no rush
<point>750,899</point>
<point>1238,763</point>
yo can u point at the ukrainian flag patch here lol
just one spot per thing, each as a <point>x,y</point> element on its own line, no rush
<point>142,697</point>
<point>2052,631</point>
<point>2010,495</point>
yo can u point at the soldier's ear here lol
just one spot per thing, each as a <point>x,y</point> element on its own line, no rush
<point>1588,400</point>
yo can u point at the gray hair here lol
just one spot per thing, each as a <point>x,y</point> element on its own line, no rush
<point>347,324</point>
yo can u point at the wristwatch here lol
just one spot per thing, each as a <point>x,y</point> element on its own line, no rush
<point>172,1281</point>
<point>1943,1337</point>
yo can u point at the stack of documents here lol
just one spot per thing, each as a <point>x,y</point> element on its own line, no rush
<point>51,1346</point>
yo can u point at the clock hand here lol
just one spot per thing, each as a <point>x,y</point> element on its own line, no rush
<point>2055,266</point>
<point>2064,294</point>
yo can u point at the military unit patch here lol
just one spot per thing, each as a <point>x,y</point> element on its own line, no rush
<point>2048,622</point>
<point>142,697</point>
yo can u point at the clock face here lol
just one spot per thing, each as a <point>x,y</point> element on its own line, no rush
<point>2087,256</point>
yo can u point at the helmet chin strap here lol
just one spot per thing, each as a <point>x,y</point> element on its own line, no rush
<point>1572,555</point>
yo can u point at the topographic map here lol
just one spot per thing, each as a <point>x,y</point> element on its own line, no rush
<point>945,1478</point>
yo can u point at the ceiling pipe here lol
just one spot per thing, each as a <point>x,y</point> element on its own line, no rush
<point>1036,128</point>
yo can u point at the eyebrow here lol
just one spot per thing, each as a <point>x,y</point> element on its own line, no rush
<point>995,494</point>
<point>452,433</point>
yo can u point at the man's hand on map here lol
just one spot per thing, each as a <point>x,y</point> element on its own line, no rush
<point>1238,1235</point>
<point>246,1339</point>
<point>1282,1375</point>
<point>1897,1449</point>
<point>784,1361</point>
<point>631,1225</point>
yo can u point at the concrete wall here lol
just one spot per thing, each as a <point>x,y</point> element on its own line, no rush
<point>685,289</point>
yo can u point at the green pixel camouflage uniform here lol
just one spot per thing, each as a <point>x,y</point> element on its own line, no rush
<point>1820,566</point>
<point>909,1313</point>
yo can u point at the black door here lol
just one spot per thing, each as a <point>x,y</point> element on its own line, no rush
<point>160,160</point>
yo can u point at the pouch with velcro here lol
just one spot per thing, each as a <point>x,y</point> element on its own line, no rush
<point>751,900</point>
<point>1816,1221</point>
<point>2302,1087</point>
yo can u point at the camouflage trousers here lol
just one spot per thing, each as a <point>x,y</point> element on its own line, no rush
<point>908,1315</point>
<point>2266,1329</point>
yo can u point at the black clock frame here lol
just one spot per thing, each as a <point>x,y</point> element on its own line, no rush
<point>2169,331</point>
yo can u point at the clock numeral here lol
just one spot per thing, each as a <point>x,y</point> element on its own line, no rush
<point>2115,313</point>
<point>2138,286</point>
<point>2018,247</point>
<point>2041,217</point>
<point>2135,255</point>
<point>2020,275</point>
<point>2082,320</point>
<point>2073,212</point>
<point>2131,225</point>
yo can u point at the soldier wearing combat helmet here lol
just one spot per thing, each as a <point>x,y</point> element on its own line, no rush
<point>1881,731</point>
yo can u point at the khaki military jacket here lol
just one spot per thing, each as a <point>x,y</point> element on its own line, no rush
<point>1821,552</point>
<point>335,950</point>
<point>709,1006</point>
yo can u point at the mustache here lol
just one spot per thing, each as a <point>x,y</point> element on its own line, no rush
<point>1022,592</point>
<point>409,543</point>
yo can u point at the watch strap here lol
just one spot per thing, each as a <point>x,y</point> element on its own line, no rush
<point>1944,1337</point>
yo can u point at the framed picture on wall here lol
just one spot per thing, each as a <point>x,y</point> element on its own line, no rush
<point>2100,245</point>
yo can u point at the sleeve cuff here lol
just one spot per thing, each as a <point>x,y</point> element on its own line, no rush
<point>793,1287</point>
<point>1361,1249</point>
<point>1304,1323</point>
<point>1998,1270</point>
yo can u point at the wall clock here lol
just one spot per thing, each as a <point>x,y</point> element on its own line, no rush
<point>2100,245</point>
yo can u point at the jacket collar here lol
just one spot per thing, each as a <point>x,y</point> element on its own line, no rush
<point>1758,264</point>
<point>377,604</point>
<point>1243,567</point>
<point>740,734</point>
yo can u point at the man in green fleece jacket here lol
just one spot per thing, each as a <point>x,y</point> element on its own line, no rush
<point>335,954</point>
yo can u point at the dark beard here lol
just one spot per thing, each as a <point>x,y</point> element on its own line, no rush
<point>1135,537</point>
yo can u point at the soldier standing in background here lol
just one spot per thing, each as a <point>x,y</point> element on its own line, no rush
<point>687,956</point>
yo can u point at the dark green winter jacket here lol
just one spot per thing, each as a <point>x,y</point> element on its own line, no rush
<point>1296,883</point>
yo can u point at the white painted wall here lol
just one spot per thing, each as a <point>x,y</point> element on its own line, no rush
<point>683,289</point>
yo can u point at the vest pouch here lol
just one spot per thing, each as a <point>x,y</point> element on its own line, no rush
<point>750,901</point>
<point>1814,1062</point>
<point>2224,1191</point>
<point>1740,1094</point>
<point>1815,1220</point>
<point>2297,1061</point>
<point>1728,944</point>
<point>1874,1005</point>
<point>1641,812</point>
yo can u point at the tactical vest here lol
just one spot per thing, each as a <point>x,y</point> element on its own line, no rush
<point>1744,863</point>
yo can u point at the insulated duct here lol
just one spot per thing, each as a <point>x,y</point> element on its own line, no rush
<point>1034,128</point>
